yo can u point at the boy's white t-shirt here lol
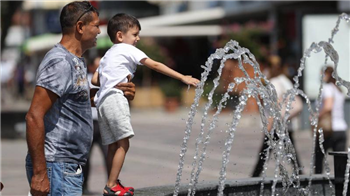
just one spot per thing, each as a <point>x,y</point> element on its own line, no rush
<point>119,61</point>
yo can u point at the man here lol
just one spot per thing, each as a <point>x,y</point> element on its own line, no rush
<point>59,121</point>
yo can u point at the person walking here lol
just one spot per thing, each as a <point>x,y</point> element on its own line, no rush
<point>281,84</point>
<point>333,104</point>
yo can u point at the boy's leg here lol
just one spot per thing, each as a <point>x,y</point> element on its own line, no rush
<point>110,155</point>
<point>120,148</point>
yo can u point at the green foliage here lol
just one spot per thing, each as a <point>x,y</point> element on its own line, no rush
<point>152,49</point>
<point>217,94</point>
<point>250,38</point>
<point>171,88</point>
<point>156,52</point>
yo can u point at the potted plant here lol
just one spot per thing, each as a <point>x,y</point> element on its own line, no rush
<point>172,92</point>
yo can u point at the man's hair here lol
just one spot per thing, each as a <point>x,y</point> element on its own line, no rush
<point>74,12</point>
<point>121,22</point>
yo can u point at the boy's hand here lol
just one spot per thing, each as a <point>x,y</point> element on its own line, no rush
<point>190,81</point>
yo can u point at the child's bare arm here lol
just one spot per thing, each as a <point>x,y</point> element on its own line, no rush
<point>161,68</point>
<point>95,79</point>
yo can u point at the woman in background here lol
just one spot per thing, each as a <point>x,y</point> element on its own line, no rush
<point>332,102</point>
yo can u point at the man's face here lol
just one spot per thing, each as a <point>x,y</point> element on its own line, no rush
<point>131,36</point>
<point>91,30</point>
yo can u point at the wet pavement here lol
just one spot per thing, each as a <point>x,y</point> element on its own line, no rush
<point>153,156</point>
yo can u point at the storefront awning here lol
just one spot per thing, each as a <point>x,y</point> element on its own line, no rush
<point>41,42</point>
<point>47,41</point>
<point>175,25</point>
<point>184,18</point>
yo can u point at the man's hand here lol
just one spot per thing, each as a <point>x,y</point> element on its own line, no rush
<point>128,89</point>
<point>40,185</point>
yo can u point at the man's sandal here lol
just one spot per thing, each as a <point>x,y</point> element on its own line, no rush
<point>116,190</point>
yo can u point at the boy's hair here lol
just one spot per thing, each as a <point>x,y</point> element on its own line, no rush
<point>74,12</point>
<point>121,22</point>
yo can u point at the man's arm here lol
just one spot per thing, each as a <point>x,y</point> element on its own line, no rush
<point>128,89</point>
<point>42,101</point>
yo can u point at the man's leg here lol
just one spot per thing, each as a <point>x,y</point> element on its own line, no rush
<point>65,178</point>
<point>69,176</point>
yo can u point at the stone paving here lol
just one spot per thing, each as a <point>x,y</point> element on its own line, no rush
<point>153,156</point>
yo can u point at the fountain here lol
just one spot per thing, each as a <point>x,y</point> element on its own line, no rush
<point>286,179</point>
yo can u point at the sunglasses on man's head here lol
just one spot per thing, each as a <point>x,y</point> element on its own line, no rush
<point>86,11</point>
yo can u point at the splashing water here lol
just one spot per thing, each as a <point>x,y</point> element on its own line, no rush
<point>346,177</point>
<point>266,98</point>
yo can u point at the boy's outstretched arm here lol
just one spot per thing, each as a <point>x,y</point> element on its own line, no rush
<point>161,68</point>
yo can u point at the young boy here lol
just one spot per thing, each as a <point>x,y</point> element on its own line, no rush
<point>117,64</point>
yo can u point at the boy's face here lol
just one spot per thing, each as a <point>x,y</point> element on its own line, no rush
<point>132,36</point>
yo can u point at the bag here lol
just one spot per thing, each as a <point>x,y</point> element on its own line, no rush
<point>325,122</point>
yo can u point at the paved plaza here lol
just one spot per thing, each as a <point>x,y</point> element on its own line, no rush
<point>153,156</point>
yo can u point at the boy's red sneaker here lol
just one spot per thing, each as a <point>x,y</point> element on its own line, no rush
<point>116,190</point>
<point>131,189</point>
